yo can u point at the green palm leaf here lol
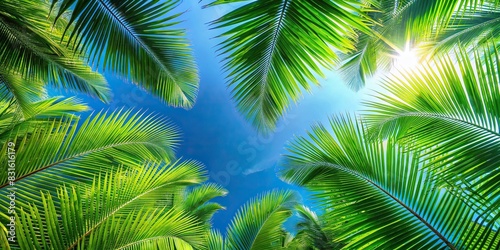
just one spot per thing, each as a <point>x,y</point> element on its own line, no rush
<point>137,39</point>
<point>476,27</point>
<point>258,224</point>
<point>215,240</point>
<point>197,200</point>
<point>312,232</point>
<point>115,212</point>
<point>4,241</point>
<point>375,194</point>
<point>452,110</point>
<point>61,152</point>
<point>22,91</point>
<point>275,49</point>
<point>29,46</point>
<point>36,114</point>
<point>358,66</point>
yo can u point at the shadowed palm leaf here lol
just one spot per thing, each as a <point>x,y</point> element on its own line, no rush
<point>311,230</point>
<point>376,195</point>
<point>21,91</point>
<point>275,49</point>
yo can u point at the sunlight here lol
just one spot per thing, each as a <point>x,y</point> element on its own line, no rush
<point>407,59</point>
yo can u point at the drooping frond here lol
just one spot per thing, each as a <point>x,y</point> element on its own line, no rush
<point>376,194</point>
<point>30,47</point>
<point>275,49</point>
<point>452,108</point>
<point>139,40</point>
<point>197,200</point>
<point>258,224</point>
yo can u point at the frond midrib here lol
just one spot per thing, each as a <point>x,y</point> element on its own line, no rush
<point>75,243</point>
<point>139,41</point>
<point>427,224</point>
<point>269,59</point>
<point>76,156</point>
<point>444,117</point>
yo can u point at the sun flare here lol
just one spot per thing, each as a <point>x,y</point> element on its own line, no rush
<point>407,59</point>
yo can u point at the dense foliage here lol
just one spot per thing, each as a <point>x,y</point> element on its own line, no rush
<point>418,168</point>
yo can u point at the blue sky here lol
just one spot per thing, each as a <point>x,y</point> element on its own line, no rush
<point>214,133</point>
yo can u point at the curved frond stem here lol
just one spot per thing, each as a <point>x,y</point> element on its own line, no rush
<point>75,157</point>
<point>394,198</point>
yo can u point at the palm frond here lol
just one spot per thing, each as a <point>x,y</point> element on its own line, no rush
<point>139,40</point>
<point>297,242</point>
<point>477,27</point>
<point>374,192</point>
<point>258,224</point>
<point>215,240</point>
<point>22,91</point>
<point>29,47</point>
<point>312,231</point>
<point>62,152</point>
<point>197,200</point>
<point>40,113</point>
<point>4,240</point>
<point>371,55</point>
<point>114,212</point>
<point>452,110</point>
<point>275,49</point>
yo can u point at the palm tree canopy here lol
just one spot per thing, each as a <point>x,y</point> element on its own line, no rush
<point>419,169</point>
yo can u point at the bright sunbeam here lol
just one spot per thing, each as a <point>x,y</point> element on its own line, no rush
<point>407,59</point>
